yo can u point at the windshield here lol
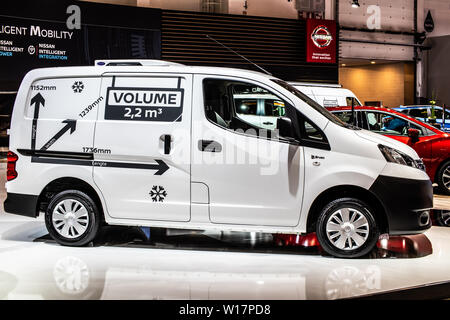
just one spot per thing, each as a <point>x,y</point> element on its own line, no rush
<point>313,104</point>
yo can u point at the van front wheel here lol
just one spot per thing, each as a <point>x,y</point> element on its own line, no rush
<point>72,218</point>
<point>346,228</point>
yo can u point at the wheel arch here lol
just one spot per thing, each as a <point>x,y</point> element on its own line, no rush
<point>342,191</point>
<point>67,183</point>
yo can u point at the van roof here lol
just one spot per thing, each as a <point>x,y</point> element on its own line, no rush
<point>136,62</point>
<point>118,67</point>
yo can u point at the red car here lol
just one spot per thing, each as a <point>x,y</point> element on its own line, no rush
<point>432,145</point>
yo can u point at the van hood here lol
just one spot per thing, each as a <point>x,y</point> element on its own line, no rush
<point>392,143</point>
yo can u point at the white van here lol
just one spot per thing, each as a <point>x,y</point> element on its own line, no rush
<point>328,95</point>
<point>144,143</point>
<point>261,109</point>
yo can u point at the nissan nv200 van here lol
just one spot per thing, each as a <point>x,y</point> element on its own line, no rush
<point>153,143</point>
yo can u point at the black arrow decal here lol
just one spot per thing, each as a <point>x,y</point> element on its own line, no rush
<point>86,159</point>
<point>37,100</point>
<point>70,125</point>
<point>161,166</point>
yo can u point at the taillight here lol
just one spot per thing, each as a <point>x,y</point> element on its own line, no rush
<point>11,172</point>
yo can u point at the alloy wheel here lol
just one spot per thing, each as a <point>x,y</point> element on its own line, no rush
<point>70,218</point>
<point>347,229</point>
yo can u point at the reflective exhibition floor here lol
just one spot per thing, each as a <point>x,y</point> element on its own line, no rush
<point>124,264</point>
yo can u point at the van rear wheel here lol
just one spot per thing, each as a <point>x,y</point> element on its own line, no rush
<point>346,228</point>
<point>72,218</point>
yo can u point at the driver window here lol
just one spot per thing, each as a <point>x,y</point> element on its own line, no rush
<point>253,110</point>
<point>239,105</point>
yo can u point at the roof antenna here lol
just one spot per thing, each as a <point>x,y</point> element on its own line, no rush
<point>240,55</point>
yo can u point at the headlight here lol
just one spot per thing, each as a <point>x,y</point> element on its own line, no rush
<point>396,156</point>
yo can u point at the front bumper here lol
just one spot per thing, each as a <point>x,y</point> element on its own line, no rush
<point>407,203</point>
<point>21,204</point>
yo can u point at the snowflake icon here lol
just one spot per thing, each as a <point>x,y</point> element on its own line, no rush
<point>158,194</point>
<point>78,86</point>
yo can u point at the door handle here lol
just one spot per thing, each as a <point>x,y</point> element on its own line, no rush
<point>167,143</point>
<point>209,146</point>
<point>268,123</point>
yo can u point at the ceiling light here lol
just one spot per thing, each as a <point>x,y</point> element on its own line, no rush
<point>372,62</point>
<point>355,4</point>
<point>343,65</point>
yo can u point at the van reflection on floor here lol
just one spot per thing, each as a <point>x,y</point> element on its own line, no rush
<point>413,246</point>
<point>131,263</point>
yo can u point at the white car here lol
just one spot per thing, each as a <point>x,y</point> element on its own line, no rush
<point>259,108</point>
<point>328,95</point>
<point>152,143</point>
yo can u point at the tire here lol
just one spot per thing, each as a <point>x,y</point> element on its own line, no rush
<point>443,178</point>
<point>72,231</point>
<point>333,235</point>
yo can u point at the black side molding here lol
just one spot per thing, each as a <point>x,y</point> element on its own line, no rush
<point>21,204</point>
<point>56,154</point>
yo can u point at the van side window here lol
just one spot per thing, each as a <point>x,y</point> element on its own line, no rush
<point>310,131</point>
<point>217,107</point>
<point>306,131</point>
<point>239,105</point>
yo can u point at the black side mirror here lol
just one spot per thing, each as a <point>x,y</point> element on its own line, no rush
<point>413,134</point>
<point>284,126</point>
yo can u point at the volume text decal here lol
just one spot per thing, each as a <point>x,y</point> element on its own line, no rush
<point>144,104</point>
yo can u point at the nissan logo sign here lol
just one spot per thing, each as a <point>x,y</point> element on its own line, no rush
<point>321,36</point>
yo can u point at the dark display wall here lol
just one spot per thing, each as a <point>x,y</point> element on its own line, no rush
<point>33,34</point>
<point>278,45</point>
